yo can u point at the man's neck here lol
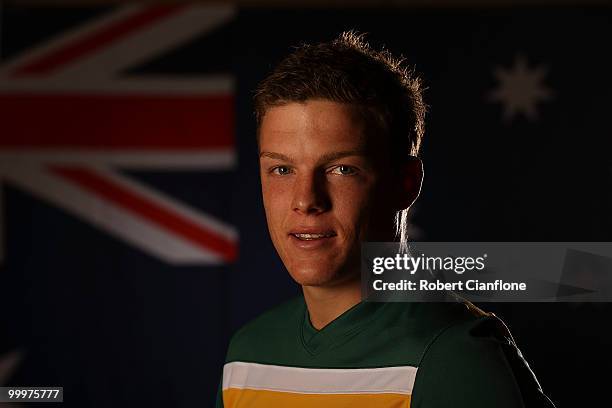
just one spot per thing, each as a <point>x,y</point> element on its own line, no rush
<point>327,303</point>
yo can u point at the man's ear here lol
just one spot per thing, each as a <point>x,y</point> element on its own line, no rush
<point>410,176</point>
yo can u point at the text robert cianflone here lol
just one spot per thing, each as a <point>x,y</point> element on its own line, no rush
<point>412,264</point>
<point>437,285</point>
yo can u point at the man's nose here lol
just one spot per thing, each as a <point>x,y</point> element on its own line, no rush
<point>310,195</point>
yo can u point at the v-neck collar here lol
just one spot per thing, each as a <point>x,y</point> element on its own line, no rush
<point>344,326</point>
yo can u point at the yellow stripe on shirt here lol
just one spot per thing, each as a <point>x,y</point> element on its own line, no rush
<point>242,398</point>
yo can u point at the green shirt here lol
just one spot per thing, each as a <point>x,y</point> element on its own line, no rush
<point>419,355</point>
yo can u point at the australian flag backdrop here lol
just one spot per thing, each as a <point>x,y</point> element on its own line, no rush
<point>133,241</point>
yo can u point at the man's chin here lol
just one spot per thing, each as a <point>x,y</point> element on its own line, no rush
<point>320,279</point>
<point>313,277</point>
<point>314,281</point>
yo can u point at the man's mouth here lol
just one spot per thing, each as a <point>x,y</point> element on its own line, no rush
<point>311,237</point>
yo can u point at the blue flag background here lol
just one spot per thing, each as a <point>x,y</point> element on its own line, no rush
<point>517,148</point>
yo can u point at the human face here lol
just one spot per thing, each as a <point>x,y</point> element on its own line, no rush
<point>320,176</point>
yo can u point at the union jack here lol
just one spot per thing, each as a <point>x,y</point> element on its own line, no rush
<point>70,119</point>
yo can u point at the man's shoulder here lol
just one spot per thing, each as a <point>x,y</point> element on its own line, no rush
<point>279,318</point>
<point>475,356</point>
<point>268,329</point>
<point>469,333</point>
<point>467,336</point>
<point>427,321</point>
<point>462,321</point>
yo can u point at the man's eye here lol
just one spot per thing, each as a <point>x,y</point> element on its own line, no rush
<point>343,170</point>
<point>280,170</point>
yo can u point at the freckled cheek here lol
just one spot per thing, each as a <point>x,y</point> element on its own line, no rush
<point>351,203</point>
<point>277,204</point>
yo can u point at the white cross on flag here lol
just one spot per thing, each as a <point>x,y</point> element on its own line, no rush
<point>70,118</point>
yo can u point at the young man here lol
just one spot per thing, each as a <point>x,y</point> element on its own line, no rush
<point>339,128</point>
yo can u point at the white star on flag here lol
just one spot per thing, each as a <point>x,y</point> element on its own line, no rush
<point>520,88</point>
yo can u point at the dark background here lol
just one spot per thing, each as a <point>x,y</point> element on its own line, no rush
<point>116,327</point>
